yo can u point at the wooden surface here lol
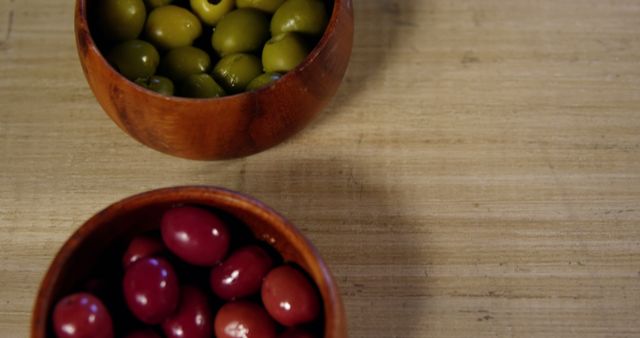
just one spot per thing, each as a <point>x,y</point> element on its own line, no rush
<point>477,175</point>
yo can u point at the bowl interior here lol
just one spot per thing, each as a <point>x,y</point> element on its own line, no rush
<point>203,42</point>
<point>98,244</point>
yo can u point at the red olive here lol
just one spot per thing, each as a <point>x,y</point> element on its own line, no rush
<point>142,334</point>
<point>141,247</point>
<point>244,320</point>
<point>193,317</point>
<point>295,332</point>
<point>196,235</point>
<point>81,315</point>
<point>241,274</point>
<point>151,289</point>
<point>289,297</point>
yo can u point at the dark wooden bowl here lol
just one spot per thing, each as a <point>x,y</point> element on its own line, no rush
<point>129,217</point>
<point>227,127</point>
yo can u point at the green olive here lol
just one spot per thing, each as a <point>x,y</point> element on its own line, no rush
<point>172,27</point>
<point>301,16</point>
<point>121,19</point>
<point>181,62</point>
<point>235,71</point>
<point>263,80</point>
<point>156,3</point>
<point>283,53</point>
<point>240,31</point>
<point>200,86</point>
<point>158,84</point>
<point>134,59</point>
<point>268,6</point>
<point>210,12</point>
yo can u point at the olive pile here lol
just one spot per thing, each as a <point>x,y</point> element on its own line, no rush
<point>208,48</point>
<point>197,278</point>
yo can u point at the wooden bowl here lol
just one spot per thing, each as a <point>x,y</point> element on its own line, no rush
<point>227,127</point>
<point>122,220</point>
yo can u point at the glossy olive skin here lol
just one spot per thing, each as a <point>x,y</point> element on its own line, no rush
<point>156,3</point>
<point>151,289</point>
<point>181,62</point>
<point>82,315</point>
<point>134,59</point>
<point>240,31</point>
<point>241,274</point>
<point>142,334</point>
<point>121,19</point>
<point>300,16</point>
<point>171,26</point>
<point>235,71</point>
<point>268,6</point>
<point>141,247</point>
<point>283,53</point>
<point>195,235</point>
<point>200,86</point>
<point>263,80</point>
<point>158,84</point>
<point>192,319</point>
<point>295,332</point>
<point>211,13</point>
<point>289,297</point>
<point>243,319</point>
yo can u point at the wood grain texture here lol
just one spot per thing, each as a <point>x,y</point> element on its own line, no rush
<point>477,174</point>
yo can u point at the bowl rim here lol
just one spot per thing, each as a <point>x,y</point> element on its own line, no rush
<point>332,304</point>
<point>82,26</point>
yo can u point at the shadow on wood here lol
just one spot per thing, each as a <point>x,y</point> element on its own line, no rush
<point>357,222</point>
